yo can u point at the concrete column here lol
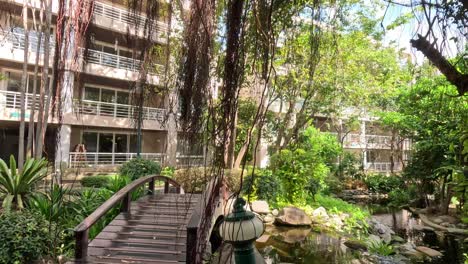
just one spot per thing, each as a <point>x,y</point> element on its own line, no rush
<point>363,143</point>
<point>62,149</point>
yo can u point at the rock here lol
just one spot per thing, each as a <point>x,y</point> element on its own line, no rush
<point>398,239</point>
<point>356,245</point>
<point>429,251</point>
<point>457,231</point>
<point>437,220</point>
<point>445,224</point>
<point>387,237</point>
<point>275,212</point>
<point>408,250</point>
<point>260,207</point>
<point>293,216</point>
<point>466,240</point>
<point>373,240</point>
<point>335,221</point>
<point>269,219</point>
<point>263,239</point>
<point>320,213</point>
<point>423,228</point>
<point>449,219</point>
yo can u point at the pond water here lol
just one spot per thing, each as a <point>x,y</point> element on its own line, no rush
<point>299,245</point>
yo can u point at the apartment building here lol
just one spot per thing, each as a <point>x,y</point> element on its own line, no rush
<point>374,145</point>
<point>98,124</point>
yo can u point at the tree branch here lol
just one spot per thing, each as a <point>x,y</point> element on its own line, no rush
<point>435,57</point>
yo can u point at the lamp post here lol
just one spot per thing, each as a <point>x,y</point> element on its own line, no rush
<point>241,228</point>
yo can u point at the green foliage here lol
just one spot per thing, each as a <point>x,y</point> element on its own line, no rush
<point>303,161</point>
<point>266,186</point>
<point>195,179</point>
<point>381,183</point>
<point>168,171</point>
<point>350,166</point>
<point>25,237</point>
<point>381,248</point>
<point>98,181</point>
<point>356,223</point>
<point>398,197</point>
<point>139,167</point>
<point>50,204</point>
<point>15,186</point>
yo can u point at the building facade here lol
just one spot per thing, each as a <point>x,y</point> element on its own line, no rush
<point>97,127</point>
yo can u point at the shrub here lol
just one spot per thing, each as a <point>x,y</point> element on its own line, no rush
<point>25,237</point>
<point>98,181</point>
<point>306,159</point>
<point>138,167</point>
<point>381,183</point>
<point>266,186</point>
<point>381,248</point>
<point>15,186</point>
<point>168,171</point>
<point>398,197</point>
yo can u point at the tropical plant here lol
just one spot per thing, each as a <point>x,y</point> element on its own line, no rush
<point>51,204</point>
<point>17,186</point>
<point>138,167</point>
<point>98,181</point>
<point>309,158</point>
<point>25,236</point>
<point>382,248</point>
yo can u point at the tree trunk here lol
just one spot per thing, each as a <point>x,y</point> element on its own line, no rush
<point>23,88</point>
<point>232,144</point>
<point>44,109</point>
<point>33,104</point>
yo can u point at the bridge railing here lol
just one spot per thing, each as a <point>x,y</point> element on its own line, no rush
<point>124,195</point>
<point>199,224</point>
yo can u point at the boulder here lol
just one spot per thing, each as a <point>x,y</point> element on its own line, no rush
<point>335,222</point>
<point>293,216</point>
<point>275,212</point>
<point>373,240</point>
<point>260,207</point>
<point>269,219</point>
<point>263,239</point>
<point>429,251</point>
<point>320,213</point>
<point>423,228</point>
<point>437,220</point>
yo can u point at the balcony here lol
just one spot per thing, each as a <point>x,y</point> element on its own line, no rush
<point>115,110</point>
<point>185,161</point>
<point>119,67</point>
<point>371,142</point>
<point>10,105</point>
<point>12,44</point>
<point>97,159</point>
<point>123,20</point>
<point>383,166</point>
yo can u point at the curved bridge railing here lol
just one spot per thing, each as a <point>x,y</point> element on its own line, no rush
<point>124,196</point>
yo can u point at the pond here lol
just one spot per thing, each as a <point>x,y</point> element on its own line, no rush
<point>299,245</point>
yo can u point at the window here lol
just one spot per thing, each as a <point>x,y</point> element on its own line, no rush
<point>106,95</point>
<point>109,142</point>
<point>14,82</point>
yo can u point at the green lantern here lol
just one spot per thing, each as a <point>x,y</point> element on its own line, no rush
<point>241,228</point>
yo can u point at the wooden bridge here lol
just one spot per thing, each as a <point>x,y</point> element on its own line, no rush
<point>163,227</point>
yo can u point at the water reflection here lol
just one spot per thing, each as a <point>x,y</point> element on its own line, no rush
<point>287,245</point>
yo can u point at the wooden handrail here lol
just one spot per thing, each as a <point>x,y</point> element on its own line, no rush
<point>124,194</point>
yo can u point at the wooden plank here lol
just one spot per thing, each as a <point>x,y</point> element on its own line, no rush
<point>158,245</point>
<point>123,259</point>
<point>143,254</point>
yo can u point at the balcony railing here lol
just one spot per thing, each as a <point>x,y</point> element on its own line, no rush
<point>354,140</point>
<point>94,159</point>
<point>88,107</point>
<point>118,62</point>
<point>384,166</point>
<point>15,39</point>
<point>13,100</point>
<point>125,16</point>
<point>184,161</point>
